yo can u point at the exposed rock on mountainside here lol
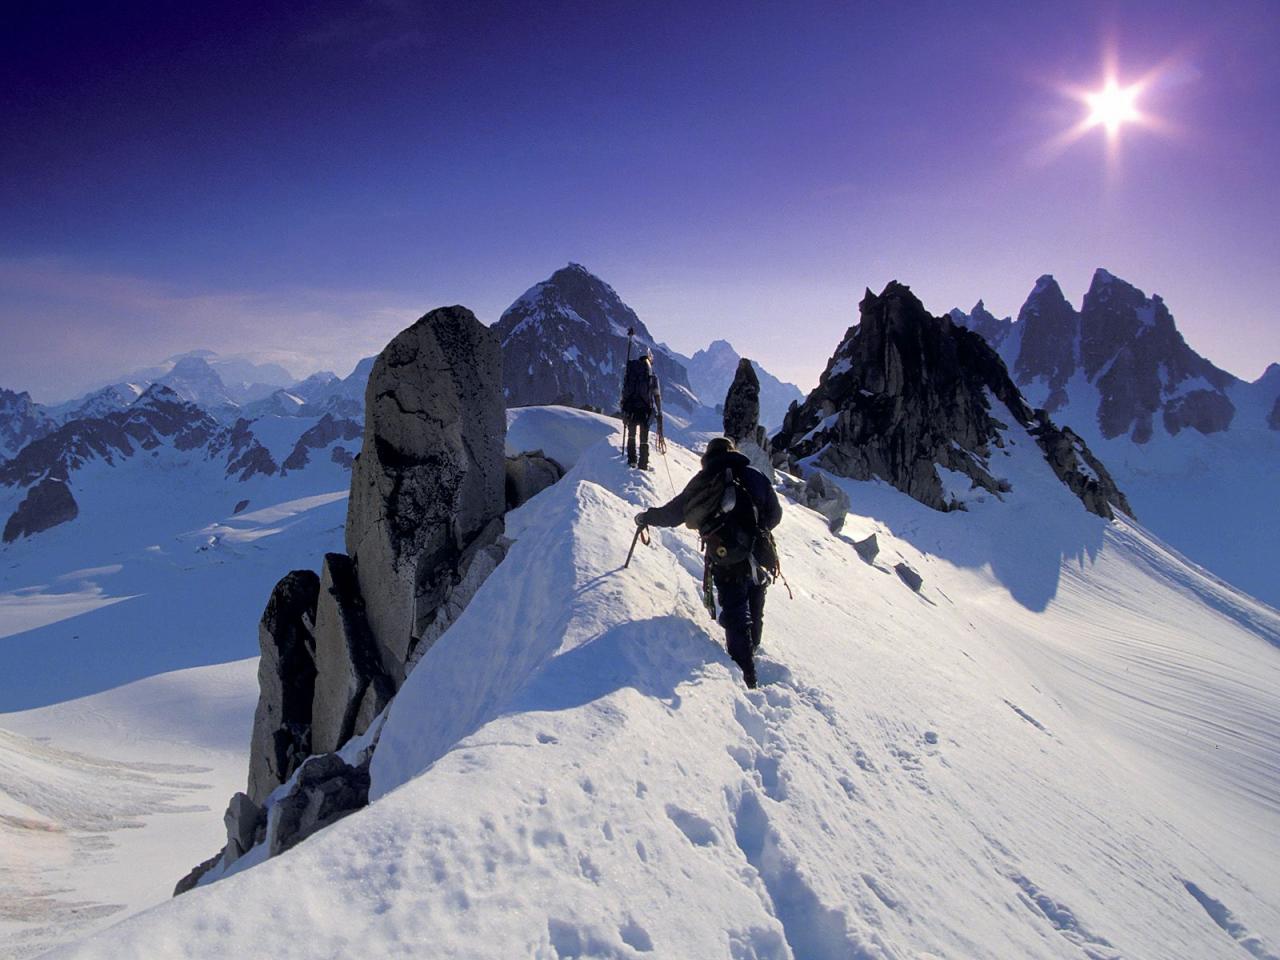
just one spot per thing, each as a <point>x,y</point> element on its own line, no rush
<point>286,683</point>
<point>712,370</point>
<point>742,417</point>
<point>1122,342</point>
<point>352,687</point>
<point>21,421</point>
<point>46,505</point>
<point>742,404</point>
<point>1050,348</point>
<point>324,433</point>
<point>427,492</point>
<point>564,341</point>
<point>528,474</point>
<point>424,526</point>
<point>907,393</point>
<point>159,416</point>
<point>1273,418</point>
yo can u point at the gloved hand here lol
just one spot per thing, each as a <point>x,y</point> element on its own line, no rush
<point>642,518</point>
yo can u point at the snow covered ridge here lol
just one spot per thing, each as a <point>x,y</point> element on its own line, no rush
<point>574,768</point>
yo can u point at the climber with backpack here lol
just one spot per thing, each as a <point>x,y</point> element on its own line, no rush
<point>641,399</point>
<point>734,508</point>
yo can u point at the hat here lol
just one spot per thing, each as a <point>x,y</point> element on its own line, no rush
<point>717,447</point>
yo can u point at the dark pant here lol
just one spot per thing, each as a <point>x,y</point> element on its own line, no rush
<point>742,616</point>
<point>637,423</point>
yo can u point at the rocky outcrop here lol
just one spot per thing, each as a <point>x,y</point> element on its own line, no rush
<point>427,491</point>
<point>820,494</point>
<point>46,505</point>
<point>909,576</point>
<point>326,789</point>
<point>742,404</point>
<point>528,474</point>
<point>906,393</point>
<point>286,683</point>
<point>351,686</point>
<point>565,341</point>
<point>424,525</point>
<point>868,548</point>
<point>712,371</point>
<point>1273,418</point>
<point>1077,467</point>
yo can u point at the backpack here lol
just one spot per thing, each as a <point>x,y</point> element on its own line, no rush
<point>725,516</point>
<point>637,387</point>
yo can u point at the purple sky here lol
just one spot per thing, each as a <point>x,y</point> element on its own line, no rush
<point>299,185</point>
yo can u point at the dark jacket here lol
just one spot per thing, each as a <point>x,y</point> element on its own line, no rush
<point>768,509</point>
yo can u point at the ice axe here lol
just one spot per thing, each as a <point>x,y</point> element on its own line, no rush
<point>642,535</point>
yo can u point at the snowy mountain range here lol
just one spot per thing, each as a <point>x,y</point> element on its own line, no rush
<point>937,773</point>
<point>1001,717</point>
<point>1195,448</point>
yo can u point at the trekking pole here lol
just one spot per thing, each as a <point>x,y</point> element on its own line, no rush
<point>662,449</point>
<point>642,534</point>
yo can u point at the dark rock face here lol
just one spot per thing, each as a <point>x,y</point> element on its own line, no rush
<point>46,505</point>
<point>286,683</point>
<point>328,430</point>
<point>427,491</point>
<point>742,404</point>
<point>565,341</point>
<point>528,474</point>
<point>1078,468</point>
<point>1148,361</point>
<point>1050,332</point>
<point>351,685</point>
<point>327,789</point>
<point>240,506</point>
<point>905,393</point>
<point>1273,418</point>
<point>1203,410</point>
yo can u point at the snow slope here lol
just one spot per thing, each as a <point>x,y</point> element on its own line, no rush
<point>1066,745</point>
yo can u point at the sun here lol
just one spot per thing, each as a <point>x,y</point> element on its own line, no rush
<point>1113,106</point>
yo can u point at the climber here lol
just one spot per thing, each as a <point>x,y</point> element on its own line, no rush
<point>641,399</point>
<point>733,507</point>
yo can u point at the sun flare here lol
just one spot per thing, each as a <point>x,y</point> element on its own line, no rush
<point>1113,106</point>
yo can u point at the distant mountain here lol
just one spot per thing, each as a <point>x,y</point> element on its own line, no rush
<point>191,440</point>
<point>928,407</point>
<point>1195,448</point>
<point>565,341</point>
<point>21,421</point>
<point>711,371</point>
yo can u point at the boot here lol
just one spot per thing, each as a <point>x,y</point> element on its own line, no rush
<point>644,457</point>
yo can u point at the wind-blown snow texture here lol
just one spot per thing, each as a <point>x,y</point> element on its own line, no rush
<point>1065,745</point>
